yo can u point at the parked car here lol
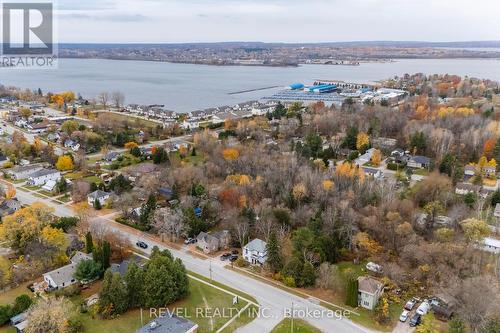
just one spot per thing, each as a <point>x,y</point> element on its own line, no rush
<point>423,308</point>
<point>415,320</point>
<point>142,245</point>
<point>225,256</point>
<point>235,252</point>
<point>410,304</point>
<point>190,241</point>
<point>376,268</point>
<point>404,316</point>
<point>233,258</point>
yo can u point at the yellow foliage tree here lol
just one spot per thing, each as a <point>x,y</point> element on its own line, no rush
<point>231,154</point>
<point>350,170</point>
<point>299,192</point>
<point>362,140</point>
<point>366,244</point>
<point>376,157</point>
<point>130,145</point>
<point>10,192</point>
<point>5,272</point>
<point>64,163</point>
<point>54,237</point>
<point>26,224</point>
<point>327,185</point>
<point>475,230</point>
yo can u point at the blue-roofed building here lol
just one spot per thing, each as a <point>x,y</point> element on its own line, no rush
<point>197,211</point>
<point>296,86</point>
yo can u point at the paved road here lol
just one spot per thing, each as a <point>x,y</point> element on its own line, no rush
<point>274,302</point>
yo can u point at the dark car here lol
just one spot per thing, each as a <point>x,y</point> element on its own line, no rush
<point>415,320</point>
<point>142,245</point>
<point>233,258</point>
<point>190,241</point>
<point>235,252</point>
<point>225,256</point>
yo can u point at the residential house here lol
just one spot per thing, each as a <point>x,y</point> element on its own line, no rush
<point>9,206</point>
<point>491,244</point>
<point>489,171</point>
<point>372,172</point>
<point>169,323</point>
<point>369,292</point>
<point>111,156</point>
<point>98,195</point>
<point>50,185</point>
<point>213,242</point>
<point>23,172</point>
<point>122,267</point>
<point>54,137</point>
<point>466,188</point>
<point>63,276</point>
<point>41,177</point>
<point>365,158</point>
<point>255,252</point>
<point>419,162</point>
<point>470,170</point>
<point>39,128</point>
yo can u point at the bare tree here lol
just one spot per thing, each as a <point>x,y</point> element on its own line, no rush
<point>118,99</point>
<point>170,222</point>
<point>103,98</point>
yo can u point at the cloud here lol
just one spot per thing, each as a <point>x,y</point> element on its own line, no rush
<point>103,18</point>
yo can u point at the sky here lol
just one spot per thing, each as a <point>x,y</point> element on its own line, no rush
<point>172,21</point>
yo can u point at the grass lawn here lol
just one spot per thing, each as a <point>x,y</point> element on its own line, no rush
<point>73,175</point>
<point>47,193</point>
<point>218,304</point>
<point>93,179</point>
<point>421,172</point>
<point>31,188</point>
<point>299,326</point>
<point>133,121</point>
<point>8,297</point>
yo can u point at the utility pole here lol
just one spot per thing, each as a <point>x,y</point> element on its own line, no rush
<point>291,328</point>
<point>210,269</point>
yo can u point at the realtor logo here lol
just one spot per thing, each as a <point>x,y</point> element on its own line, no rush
<point>28,35</point>
<point>27,29</point>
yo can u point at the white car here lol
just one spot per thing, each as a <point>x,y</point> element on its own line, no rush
<point>371,266</point>
<point>404,316</point>
<point>423,308</point>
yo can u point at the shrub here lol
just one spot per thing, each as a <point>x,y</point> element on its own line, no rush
<point>240,262</point>
<point>289,281</point>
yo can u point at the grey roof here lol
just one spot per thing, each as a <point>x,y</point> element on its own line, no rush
<point>98,194</point>
<point>65,274</point>
<point>24,168</point>
<point>256,245</point>
<point>168,324</point>
<point>420,159</point>
<point>369,285</point>
<point>10,204</point>
<point>43,172</point>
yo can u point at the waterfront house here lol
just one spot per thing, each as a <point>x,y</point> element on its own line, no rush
<point>369,292</point>
<point>255,252</point>
<point>42,176</point>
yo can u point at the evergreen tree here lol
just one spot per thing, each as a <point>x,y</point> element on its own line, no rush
<point>352,293</point>
<point>148,209</point>
<point>97,204</point>
<point>106,254</point>
<point>89,244</point>
<point>113,298</point>
<point>456,325</point>
<point>134,279</point>
<point>274,258</point>
<point>495,198</point>
<point>308,275</point>
<point>160,156</point>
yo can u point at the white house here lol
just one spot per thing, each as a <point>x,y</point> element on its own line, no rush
<point>491,245</point>
<point>466,188</point>
<point>365,158</point>
<point>255,252</point>
<point>23,172</point>
<point>50,185</point>
<point>41,177</point>
<point>369,292</point>
<point>63,276</point>
<point>99,195</point>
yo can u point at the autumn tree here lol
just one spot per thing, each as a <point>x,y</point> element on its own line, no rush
<point>50,315</point>
<point>230,154</point>
<point>10,192</point>
<point>376,158</point>
<point>362,141</point>
<point>428,324</point>
<point>64,163</point>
